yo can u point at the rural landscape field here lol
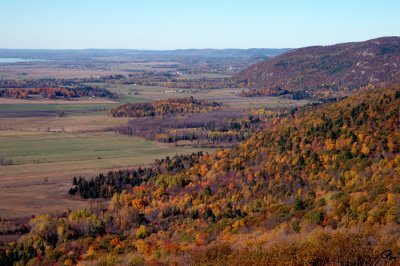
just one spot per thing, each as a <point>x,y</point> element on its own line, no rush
<point>131,134</point>
<point>45,142</point>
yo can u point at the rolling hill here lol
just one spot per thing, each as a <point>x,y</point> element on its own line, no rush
<point>325,71</point>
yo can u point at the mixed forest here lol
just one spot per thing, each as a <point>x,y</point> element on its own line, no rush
<point>165,107</point>
<point>325,72</point>
<point>317,186</point>
<point>191,122</point>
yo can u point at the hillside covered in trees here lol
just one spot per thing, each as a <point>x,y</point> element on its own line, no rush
<point>165,107</point>
<point>321,187</point>
<point>325,71</point>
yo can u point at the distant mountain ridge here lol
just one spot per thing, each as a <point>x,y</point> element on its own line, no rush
<point>322,70</point>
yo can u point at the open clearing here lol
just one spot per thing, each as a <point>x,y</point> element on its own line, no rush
<point>59,156</point>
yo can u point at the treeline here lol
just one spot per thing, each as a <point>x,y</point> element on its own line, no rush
<point>276,91</point>
<point>165,107</point>
<point>104,186</point>
<point>7,227</point>
<point>53,93</point>
<point>55,82</point>
<point>173,80</point>
<point>37,83</point>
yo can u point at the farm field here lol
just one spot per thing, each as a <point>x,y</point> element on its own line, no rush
<point>228,96</point>
<point>45,162</point>
<point>73,123</point>
<point>41,110</point>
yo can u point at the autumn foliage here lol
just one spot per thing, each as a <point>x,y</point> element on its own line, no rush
<point>165,107</point>
<point>321,187</point>
<point>326,71</point>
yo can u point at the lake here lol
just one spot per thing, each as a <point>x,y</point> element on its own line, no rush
<point>17,60</point>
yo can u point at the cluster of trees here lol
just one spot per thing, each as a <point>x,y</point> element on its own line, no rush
<point>54,82</point>
<point>165,107</point>
<point>53,93</point>
<point>169,80</point>
<point>320,187</point>
<point>5,161</point>
<point>223,128</point>
<point>35,83</point>
<point>105,186</point>
<point>7,227</point>
<point>276,91</point>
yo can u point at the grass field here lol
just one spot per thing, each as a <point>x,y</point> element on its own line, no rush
<point>58,156</point>
<point>53,107</point>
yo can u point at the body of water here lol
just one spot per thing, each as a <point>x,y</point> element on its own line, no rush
<point>17,60</point>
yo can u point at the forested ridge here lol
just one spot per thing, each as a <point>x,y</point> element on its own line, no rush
<point>325,72</point>
<point>320,187</point>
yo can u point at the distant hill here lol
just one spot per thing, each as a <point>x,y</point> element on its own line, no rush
<point>326,71</point>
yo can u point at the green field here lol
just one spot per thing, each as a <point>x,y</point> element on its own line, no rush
<point>45,162</point>
<point>43,110</point>
<point>97,149</point>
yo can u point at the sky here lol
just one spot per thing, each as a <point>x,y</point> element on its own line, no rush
<point>182,24</point>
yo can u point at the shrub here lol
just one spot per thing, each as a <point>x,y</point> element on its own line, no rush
<point>142,232</point>
<point>315,216</point>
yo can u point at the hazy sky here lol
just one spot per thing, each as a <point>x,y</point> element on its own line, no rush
<point>173,24</point>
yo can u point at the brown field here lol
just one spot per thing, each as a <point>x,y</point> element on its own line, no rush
<point>79,123</point>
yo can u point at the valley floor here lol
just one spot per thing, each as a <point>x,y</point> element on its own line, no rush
<point>44,162</point>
